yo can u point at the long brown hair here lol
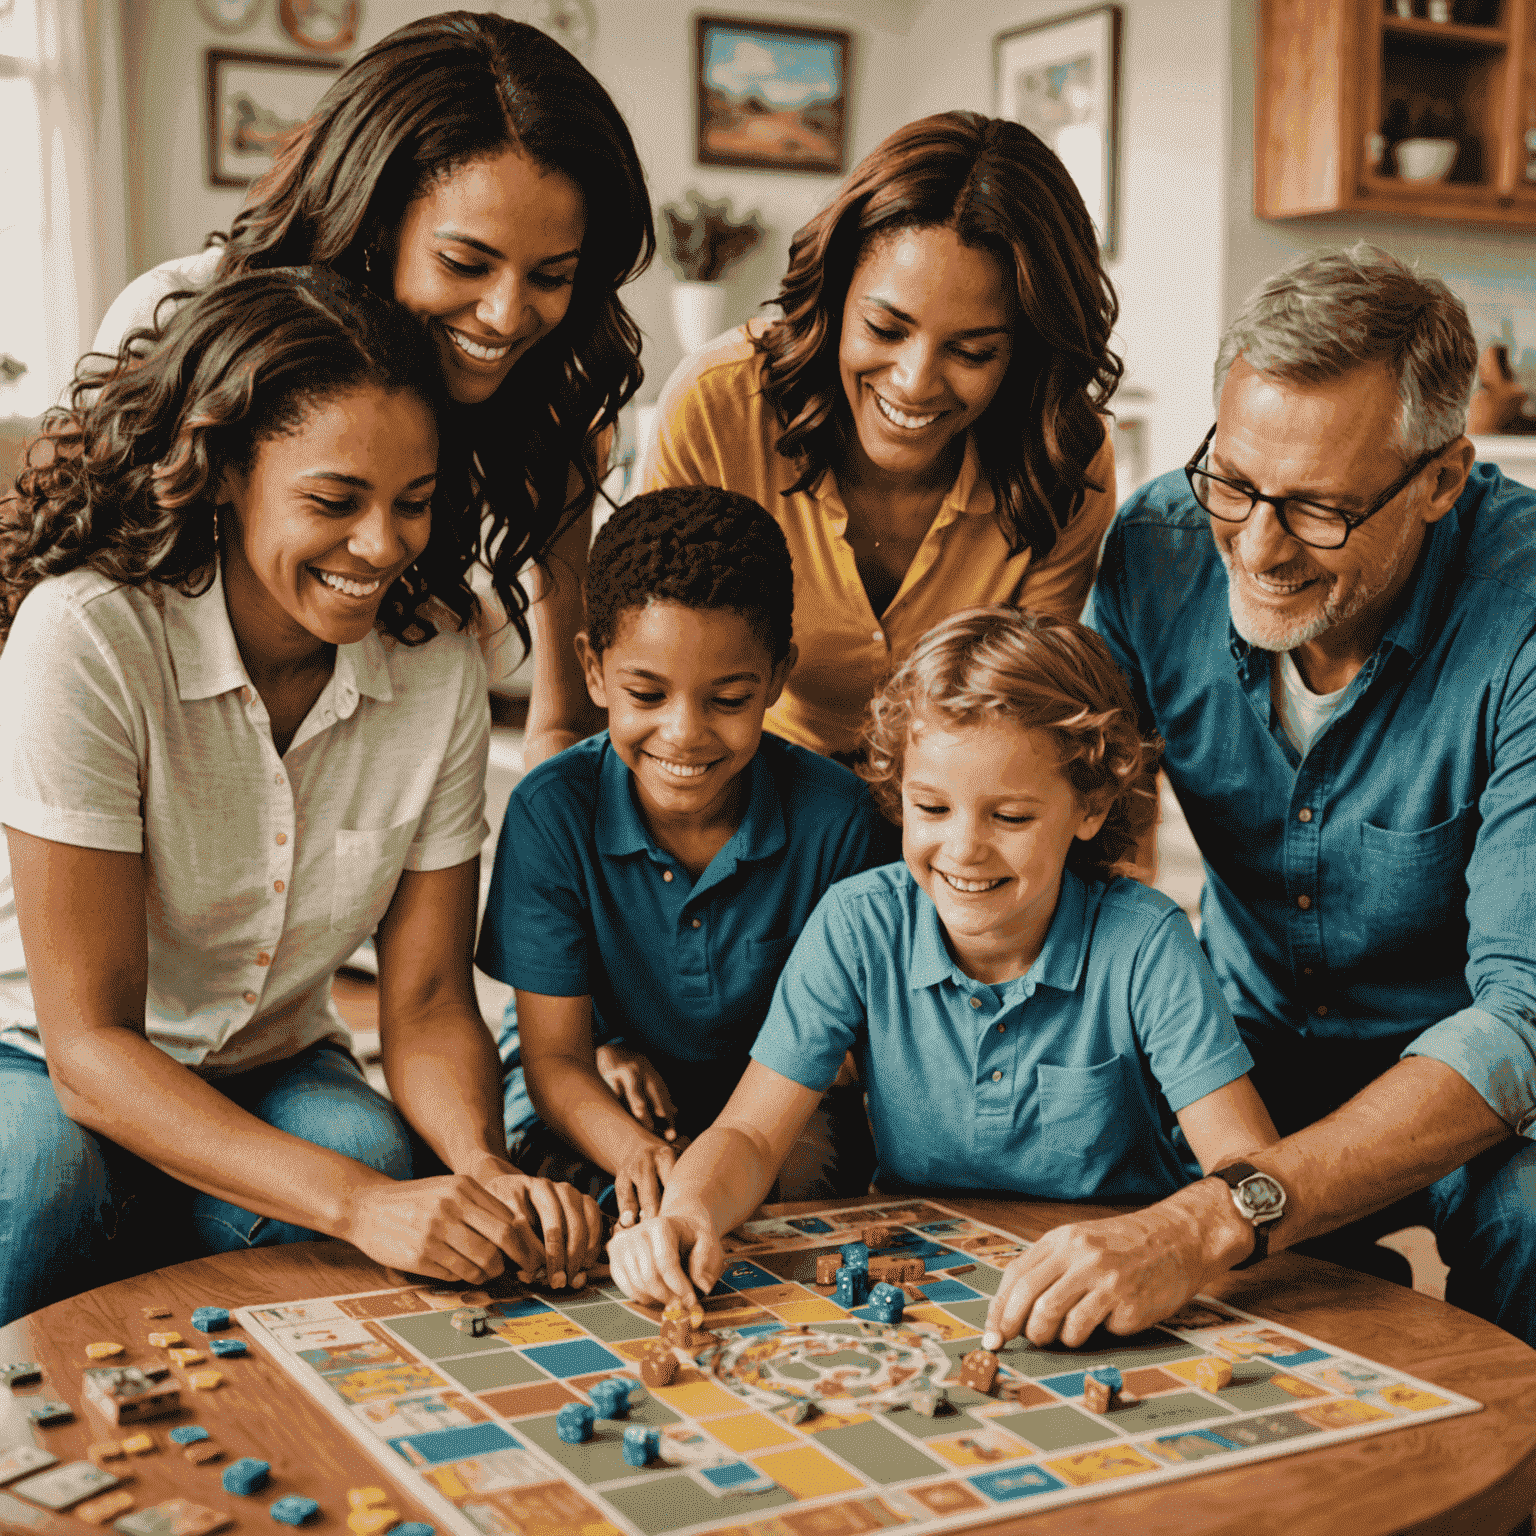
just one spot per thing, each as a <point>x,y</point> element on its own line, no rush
<point>1043,673</point>
<point>1001,190</point>
<point>428,99</point>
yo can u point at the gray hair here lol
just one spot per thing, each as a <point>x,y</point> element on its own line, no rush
<point>1334,311</point>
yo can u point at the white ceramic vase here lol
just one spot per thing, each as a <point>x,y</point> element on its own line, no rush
<point>698,313</point>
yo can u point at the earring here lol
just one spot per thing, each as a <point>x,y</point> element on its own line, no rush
<point>368,260</point>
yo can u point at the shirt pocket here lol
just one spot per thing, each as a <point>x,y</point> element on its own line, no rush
<point>1086,1113</point>
<point>1415,883</point>
<point>368,865</point>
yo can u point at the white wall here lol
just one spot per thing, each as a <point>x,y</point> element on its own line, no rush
<point>643,53</point>
<point>1173,133</point>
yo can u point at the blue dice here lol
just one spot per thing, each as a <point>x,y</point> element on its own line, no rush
<point>641,1445</point>
<point>852,1286</point>
<point>573,1423</point>
<point>295,1509</point>
<point>246,1475</point>
<point>188,1434</point>
<point>855,1255</point>
<point>887,1301</point>
<point>227,1347</point>
<point>610,1397</point>
<point>210,1319</point>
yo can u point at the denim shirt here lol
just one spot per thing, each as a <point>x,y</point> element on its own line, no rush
<point>1386,883</point>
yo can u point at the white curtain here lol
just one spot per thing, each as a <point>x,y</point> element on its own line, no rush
<point>66,74</point>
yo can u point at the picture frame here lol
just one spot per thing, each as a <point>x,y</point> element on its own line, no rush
<point>321,26</point>
<point>254,102</point>
<point>1061,79</point>
<point>771,96</point>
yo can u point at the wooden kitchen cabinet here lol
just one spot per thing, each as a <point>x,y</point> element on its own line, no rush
<point>1329,70</point>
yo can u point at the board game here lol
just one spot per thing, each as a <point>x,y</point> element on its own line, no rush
<point>799,1417</point>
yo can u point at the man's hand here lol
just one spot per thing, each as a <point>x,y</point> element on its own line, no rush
<point>1126,1272</point>
<point>647,1260</point>
<point>553,1227</point>
<point>450,1228</point>
<point>639,1180</point>
<point>638,1086</point>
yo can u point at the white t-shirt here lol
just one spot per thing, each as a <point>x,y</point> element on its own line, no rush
<point>128,722</point>
<point>135,305</point>
<point>1303,714</point>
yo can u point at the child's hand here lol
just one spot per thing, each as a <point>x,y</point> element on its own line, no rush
<point>638,1086</point>
<point>639,1180</point>
<point>1126,1272</point>
<point>647,1260</point>
<point>559,1230</point>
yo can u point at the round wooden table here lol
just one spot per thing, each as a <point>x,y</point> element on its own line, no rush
<point>1471,1474</point>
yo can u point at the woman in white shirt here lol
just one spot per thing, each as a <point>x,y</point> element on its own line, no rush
<point>472,169</point>
<point>242,727</point>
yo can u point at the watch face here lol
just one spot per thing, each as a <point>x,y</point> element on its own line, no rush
<point>1261,1197</point>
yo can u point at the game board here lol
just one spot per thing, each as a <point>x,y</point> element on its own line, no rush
<point>469,1422</point>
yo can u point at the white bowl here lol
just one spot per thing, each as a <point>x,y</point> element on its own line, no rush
<point>1425,159</point>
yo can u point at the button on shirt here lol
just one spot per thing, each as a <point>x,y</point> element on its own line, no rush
<point>1386,882</point>
<point>1051,1084</point>
<point>128,723</point>
<point>584,902</point>
<point>715,428</point>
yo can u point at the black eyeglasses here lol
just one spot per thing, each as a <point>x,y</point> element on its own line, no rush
<point>1308,522</point>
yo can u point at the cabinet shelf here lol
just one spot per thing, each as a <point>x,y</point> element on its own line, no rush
<point>1444,34</point>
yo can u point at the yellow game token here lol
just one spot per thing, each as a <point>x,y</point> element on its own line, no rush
<point>103,1351</point>
<point>99,1511</point>
<point>138,1445</point>
<point>164,1340</point>
<point>372,1520</point>
<point>360,1498</point>
<point>204,1381</point>
<point>185,1356</point>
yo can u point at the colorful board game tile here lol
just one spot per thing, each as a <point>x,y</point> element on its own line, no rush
<point>204,1381</point>
<point>203,1452</point>
<point>47,1412</point>
<point>140,1444</point>
<point>164,1340</point>
<point>103,1350</point>
<point>21,1373</point>
<point>17,1459</point>
<point>124,1394</point>
<point>99,1511</point>
<point>175,1517</point>
<point>210,1319</point>
<point>1012,1483</point>
<point>227,1348</point>
<point>59,1487</point>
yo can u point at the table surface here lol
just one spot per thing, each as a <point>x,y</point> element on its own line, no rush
<point>1476,1473</point>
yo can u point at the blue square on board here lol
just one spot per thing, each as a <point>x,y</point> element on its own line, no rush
<point>526,1306</point>
<point>744,1275</point>
<point>440,1445</point>
<point>753,1328</point>
<point>575,1357</point>
<point>1015,1483</point>
<point>1306,1357</point>
<point>947,1290</point>
<point>1067,1386</point>
<point>809,1224</point>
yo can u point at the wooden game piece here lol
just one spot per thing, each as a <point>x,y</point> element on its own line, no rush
<point>573,1422</point>
<point>210,1319</point>
<point>674,1324</point>
<point>931,1404</point>
<point>185,1356</point>
<point>1101,1387</point>
<point>658,1368</point>
<point>1213,1374</point>
<point>140,1444</point>
<point>897,1271</point>
<point>123,1394</point>
<point>157,1311</point>
<point>103,1351</point>
<point>641,1445</point>
<point>154,1370</point>
<point>978,1370</point>
<point>878,1236</point>
<point>964,1269</point>
<point>361,1498</point>
<point>106,1450</point>
<point>180,1516</point>
<point>205,1381</point>
<point>226,1348</point>
<point>372,1520</point>
<point>246,1476</point>
<point>109,1505</point>
<point>294,1509</point>
<point>43,1413</point>
<point>827,1266</point>
<point>164,1340</point>
<point>23,1373</point>
<point>475,1321</point>
<point>201,1452</point>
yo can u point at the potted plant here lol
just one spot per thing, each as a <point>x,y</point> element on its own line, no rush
<point>705,241</point>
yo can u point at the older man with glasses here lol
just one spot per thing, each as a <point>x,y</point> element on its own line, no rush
<point>1330,618</point>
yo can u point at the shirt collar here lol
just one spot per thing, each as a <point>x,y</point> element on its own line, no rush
<point>1059,963</point>
<point>207,659</point>
<point>969,493</point>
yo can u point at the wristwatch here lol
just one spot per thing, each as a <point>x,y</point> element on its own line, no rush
<point>1259,1198</point>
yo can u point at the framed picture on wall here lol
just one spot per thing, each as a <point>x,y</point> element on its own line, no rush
<point>255,100</point>
<point>1061,78</point>
<point>771,97</point>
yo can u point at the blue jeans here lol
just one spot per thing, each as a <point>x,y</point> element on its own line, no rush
<point>77,1210</point>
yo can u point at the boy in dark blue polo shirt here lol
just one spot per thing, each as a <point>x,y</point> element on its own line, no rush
<point>651,881</point>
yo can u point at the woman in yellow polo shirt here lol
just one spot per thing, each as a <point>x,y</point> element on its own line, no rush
<point>925,419</point>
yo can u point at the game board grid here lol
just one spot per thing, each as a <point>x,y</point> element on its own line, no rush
<point>1047,1474</point>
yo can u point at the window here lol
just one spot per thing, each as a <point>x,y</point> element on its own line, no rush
<point>23,315</point>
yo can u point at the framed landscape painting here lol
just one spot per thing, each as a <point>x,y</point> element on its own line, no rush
<point>771,97</point>
<point>1061,79</point>
<point>255,100</point>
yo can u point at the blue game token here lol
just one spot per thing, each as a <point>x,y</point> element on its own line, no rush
<point>641,1445</point>
<point>413,1528</point>
<point>227,1347</point>
<point>210,1319</point>
<point>573,1423</point>
<point>188,1434</point>
<point>295,1509</point>
<point>246,1475</point>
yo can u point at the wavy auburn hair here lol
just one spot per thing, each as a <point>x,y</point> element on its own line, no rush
<point>123,480</point>
<point>1001,190</point>
<point>429,99</point>
<point>1043,673</point>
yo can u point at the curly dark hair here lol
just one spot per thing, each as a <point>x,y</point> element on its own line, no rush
<point>123,479</point>
<point>1043,673</point>
<point>699,547</point>
<point>427,100</point>
<point>1001,189</point>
